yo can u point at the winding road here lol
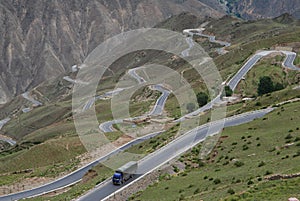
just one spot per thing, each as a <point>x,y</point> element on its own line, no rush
<point>5,138</point>
<point>27,96</point>
<point>157,110</point>
<point>172,150</point>
<point>288,63</point>
<point>75,176</point>
<point>169,151</point>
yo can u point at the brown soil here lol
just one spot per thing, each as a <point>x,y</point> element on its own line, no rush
<point>25,184</point>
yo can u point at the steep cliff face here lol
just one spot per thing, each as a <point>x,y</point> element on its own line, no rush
<point>256,9</point>
<point>40,39</point>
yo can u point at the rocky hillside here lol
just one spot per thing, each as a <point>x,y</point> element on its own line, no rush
<point>40,39</point>
<point>255,9</point>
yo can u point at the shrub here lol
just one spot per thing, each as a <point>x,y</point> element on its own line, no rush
<point>268,172</point>
<point>245,147</point>
<point>239,164</point>
<point>217,181</point>
<point>278,86</point>
<point>265,85</point>
<point>228,91</point>
<point>261,164</point>
<point>226,163</point>
<point>202,98</point>
<point>231,191</point>
<point>297,139</point>
<point>289,136</point>
<point>258,104</point>
<point>201,164</point>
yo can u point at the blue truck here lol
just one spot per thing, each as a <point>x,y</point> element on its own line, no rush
<point>124,173</point>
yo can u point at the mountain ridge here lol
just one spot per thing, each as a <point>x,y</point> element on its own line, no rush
<point>42,39</point>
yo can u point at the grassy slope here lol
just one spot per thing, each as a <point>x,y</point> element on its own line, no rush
<point>267,67</point>
<point>245,43</point>
<point>269,133</point>
<point>228,63</point>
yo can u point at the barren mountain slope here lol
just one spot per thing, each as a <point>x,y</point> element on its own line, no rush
<point>41,39</point>
<point>253,9</point>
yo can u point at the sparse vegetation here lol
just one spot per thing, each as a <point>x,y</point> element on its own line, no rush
<point>248,179</point>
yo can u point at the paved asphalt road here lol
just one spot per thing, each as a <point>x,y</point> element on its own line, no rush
<point>132,73</point>
<point>107,127</point>
<point>6,139</point>
<point>212,39</point>
<point>32,100</point>
<point>3,122</point>
<point>288,63</point>
<point>161,101</point>
<point>190,42</point>
<point>243,71</point>
<point>172,150</point>
<point>289,60</point>
<point>74,176</point>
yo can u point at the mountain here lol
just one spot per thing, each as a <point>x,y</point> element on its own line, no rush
<point>256,9</point>
<point>42,39</point>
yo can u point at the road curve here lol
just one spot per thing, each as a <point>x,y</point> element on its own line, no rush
<point>151,162</point>
<point>4,138</point>
<point>161,156</point>
<point>212,39</point>
<point>288,63</point>
<point>107,127</point>
<point>105,96</point>
<point>27,96</point>
<point>73,177</point>
<point>172,150</point>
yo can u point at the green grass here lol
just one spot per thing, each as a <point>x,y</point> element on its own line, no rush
<point>49,129</point>
<point>113,136</point>
<point>53,151</point>
<point>297,60</point>
<point>263,101</point>
<point>102,173</point>
<point>154,143</point>
<point>266,67</point>
<point>240,145</point>
<point>275,190</point>
<point>38,118</point>
<point>9,179</point>
<point>231,62</point>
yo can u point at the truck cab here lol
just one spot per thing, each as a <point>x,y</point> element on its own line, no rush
<point>124,173</point>
<point>117,178</point>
